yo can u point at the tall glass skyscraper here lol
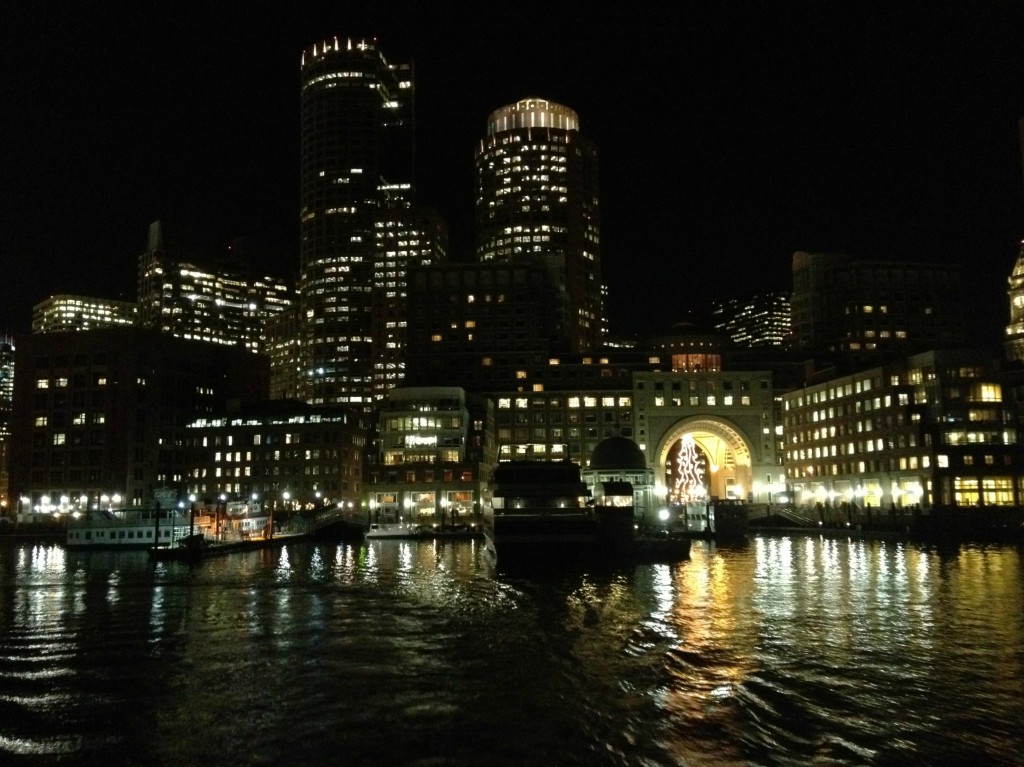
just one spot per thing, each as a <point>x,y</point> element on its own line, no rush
<point>537,197</point>
<point>357,163</point>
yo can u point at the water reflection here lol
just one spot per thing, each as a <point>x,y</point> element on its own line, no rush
<point>785,650</point>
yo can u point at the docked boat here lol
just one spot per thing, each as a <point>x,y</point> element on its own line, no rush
<point>379,530</point>
<point>393,530</point>
<point>199,546</point>
<point>128,528</point>
<point>541,511</point>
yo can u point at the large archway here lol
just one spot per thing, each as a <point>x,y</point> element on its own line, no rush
<point>702,457</point>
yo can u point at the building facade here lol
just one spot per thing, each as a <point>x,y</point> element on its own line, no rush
<point>931,430</point>
<point>7,503</point>
<point>858,310</point>
<point>220,303</point>
<point>433,459</point>
<point>537,195</point>
<point>103,413</point>
<point>357,162</point>
<point>284,455</point>
<point>485,326</point>
<point>762,320</point>
<point>402,239</point>
<point>64,312</point>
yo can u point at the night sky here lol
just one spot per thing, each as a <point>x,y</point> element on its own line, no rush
<point>730,134</point>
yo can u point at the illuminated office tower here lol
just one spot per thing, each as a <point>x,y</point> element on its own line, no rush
<point>537,195</point>
<point>218,300</point>
<point>64,312</point>
<point>761,320</point>
<point>402,239</point>
<point>357,163</point>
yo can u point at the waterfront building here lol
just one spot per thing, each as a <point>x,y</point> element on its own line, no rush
<point>762,320</point>
<point>433,457</point>
<point>858,310</point>
<point>724,422</point>
<point>282,454</point>
<point>222,302</point>
<point>357,164</point>
<point>709,432</point>
<point>102,413</point>
<point>59,313</point>
<point>537,196</point>
<point>7,504</point>
<point>932,430</point>
<point>561,406</point>
<point>402,239</point>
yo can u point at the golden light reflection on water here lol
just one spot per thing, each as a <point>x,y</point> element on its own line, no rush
<point>783,632</point>
<point>832,649</point>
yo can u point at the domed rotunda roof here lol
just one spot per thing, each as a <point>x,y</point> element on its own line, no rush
<point>617,453</point>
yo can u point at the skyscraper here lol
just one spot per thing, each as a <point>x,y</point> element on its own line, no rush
<point>760,320</point>
<point>403,239</point>
<point>357,162</point>
<point>537,195</point>
<point>215,299</point>
<point>860,310</point>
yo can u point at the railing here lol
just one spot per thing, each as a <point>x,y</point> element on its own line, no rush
<point>353,517</point>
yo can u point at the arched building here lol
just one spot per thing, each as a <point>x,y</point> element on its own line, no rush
<point>708,435</point>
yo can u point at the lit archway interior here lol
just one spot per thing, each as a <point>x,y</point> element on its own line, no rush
<point>704,457</point>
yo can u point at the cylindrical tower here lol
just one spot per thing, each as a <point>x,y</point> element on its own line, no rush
<point>537,197</point>
<point>357,159</point>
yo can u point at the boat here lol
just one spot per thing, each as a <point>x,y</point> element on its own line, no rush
<point>393,530</point>
<point>199,546</point>
<point>539,511</point>
<point>543,513</point>
<point>379,530</point>
<point>129,528</point>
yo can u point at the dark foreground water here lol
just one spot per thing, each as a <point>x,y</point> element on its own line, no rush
<point>786,651</point>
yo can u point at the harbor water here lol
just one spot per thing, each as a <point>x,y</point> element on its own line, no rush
<point>785,650</point>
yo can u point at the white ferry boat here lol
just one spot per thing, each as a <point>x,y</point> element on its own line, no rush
<point>129,528</point>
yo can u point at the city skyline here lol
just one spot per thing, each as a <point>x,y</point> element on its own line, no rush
<point>742,136</point>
